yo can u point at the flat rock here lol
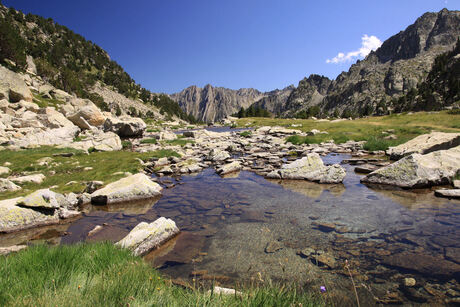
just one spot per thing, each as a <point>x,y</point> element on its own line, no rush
<point>11,249</point>
<point>228,168</point>
<point>134,187</point>
<point>45,199</point>
<point>453,193</point>
<point>145,237</point>
<point>417,171</point>
<point>424,144</point>
<point>216,155</point>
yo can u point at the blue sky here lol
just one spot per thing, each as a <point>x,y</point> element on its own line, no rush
<point>167,45</point>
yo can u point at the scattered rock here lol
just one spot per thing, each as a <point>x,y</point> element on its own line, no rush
<point>325,259</point>
<point>92,186</point>
<point>145,237</point>
<point>217,155</point>
<point>45,199</point>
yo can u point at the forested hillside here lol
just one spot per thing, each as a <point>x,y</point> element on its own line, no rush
<point>68,61</point>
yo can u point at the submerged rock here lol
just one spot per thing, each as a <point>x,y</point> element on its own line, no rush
<point>416,170</point>
<point>145,237</point>
<point>310,168</point>
<point>424,144</point>
<point>134,187</point>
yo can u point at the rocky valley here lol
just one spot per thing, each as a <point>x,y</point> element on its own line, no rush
<point>114,195</point>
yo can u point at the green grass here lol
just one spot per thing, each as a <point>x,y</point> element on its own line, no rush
<point>126,144</point>
<point>153,130</point>
<point>179,141</point>
<point>43,102</point>
<point>104,165</point>
<point>149,141</point>
<point>245,134</point>
<point>371,129</point>
<point>104,275</point>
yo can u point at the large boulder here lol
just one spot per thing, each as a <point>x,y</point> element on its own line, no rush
<point>417,171</point>
<point>310,168</point>
<point>13,217</point>
<point>13,87</point>
<point>90,113</point>
<point>228,168</point>
<point>125,126</point>
<point>134,187</point>
<point>145,237</point>
<point>424,144</point>
<point>167,136</point>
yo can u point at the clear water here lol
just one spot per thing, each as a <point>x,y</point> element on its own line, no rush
<point>246,229</point>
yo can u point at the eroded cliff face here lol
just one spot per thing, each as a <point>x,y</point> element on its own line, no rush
<point>402,61</point>
<point>210,104</point>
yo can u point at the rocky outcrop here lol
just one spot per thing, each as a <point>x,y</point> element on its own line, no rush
<point>134,187</point>
<point>424,144</point>
<point>211,104</point>
<point>417,171</point>
<point>310,168</point>
<point>125,126</point>
<point>145,237</point>
<point>12,87</point>
<point>275,101</point>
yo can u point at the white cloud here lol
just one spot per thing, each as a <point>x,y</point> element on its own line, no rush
<point>368,44</point>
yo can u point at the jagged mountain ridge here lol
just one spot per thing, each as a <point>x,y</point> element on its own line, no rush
<point>403,61</point>
<point>210,104</point>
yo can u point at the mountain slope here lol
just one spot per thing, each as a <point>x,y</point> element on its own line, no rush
<point>403,61</point>
<point>71,63</point>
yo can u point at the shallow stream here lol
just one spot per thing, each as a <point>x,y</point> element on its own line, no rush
<point>246,229</point>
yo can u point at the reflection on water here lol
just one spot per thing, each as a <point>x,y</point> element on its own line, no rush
<point>245,228</point>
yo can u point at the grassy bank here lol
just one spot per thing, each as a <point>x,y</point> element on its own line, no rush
<point>103,275</point>
<point>371,129</point>
<point>68,174</point>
